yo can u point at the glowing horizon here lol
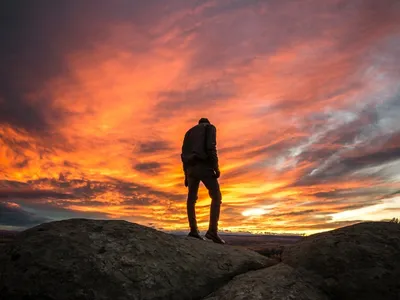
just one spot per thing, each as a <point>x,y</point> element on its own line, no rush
<point>95,100</point>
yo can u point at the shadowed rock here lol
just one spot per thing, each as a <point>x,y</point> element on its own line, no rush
<point>274,283</point>
<point>361,261</point>
<point>95,259</point>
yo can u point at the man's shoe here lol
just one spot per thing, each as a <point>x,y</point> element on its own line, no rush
<point>214,237</point>
<point>196,234</point>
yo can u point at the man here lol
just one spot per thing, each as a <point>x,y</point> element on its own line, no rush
<point>200,163</point>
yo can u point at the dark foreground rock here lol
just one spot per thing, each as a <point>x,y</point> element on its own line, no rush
<point>92,259</point>
<point>275,283</point>
<point>88,259</point>
<point>361,261</point>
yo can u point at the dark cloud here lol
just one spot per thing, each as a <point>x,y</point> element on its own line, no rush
<point>372,159</point>
<point>35,39</point>
<point>11,215</point>
<point>29,57</point>
<point>350,193</point>
<point>150,167</point>
<point>22,164</point>
<point>302,213</point>
<point>33,194</point>
<point>153,147</point>
<point>346,167</point>
<point>133,190</point>
<point>142,200</point>
<point>390,195</point>
<point>12,184</point>
<point>70,164</point>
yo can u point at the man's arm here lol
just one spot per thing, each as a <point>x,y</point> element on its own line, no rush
<point>184,166</point>
<point>211,146</point>
<point>184,163</point>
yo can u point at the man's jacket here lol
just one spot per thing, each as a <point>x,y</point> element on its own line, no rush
<point>200,146</point>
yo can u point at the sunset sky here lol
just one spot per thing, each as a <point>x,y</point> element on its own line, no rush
<point>96,96</point>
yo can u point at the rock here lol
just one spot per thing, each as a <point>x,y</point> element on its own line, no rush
<point>361,261</point>
<point>274,283</point>
<point>95,259</point>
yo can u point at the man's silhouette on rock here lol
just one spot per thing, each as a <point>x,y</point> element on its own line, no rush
<point>200,163</point>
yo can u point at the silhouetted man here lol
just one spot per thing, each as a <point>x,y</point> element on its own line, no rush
<point>200,163</point>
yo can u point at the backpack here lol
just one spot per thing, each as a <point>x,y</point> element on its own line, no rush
<point>194,156</point>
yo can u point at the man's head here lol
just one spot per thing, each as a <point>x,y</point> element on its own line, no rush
<point>204,120</point>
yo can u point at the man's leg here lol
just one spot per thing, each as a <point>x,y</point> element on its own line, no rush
<point>193,188</point>
<point>214,191</point>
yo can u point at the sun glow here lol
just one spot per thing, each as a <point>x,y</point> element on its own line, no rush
<point>254,212</point>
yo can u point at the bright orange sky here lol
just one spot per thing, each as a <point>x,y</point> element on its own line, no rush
<point>95,99</point>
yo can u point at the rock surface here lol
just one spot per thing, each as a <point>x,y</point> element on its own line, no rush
<point>94,259</point>
<point>361,261</point>
<point>274,283</point>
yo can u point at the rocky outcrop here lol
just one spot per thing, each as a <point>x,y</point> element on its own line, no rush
<point>361,261</point>
<point>274,283</point>
<point>94,259</point>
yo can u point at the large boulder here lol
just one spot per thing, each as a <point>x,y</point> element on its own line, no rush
<point>274,283</point>
<point>361,261</point>
<point>94,259</point>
